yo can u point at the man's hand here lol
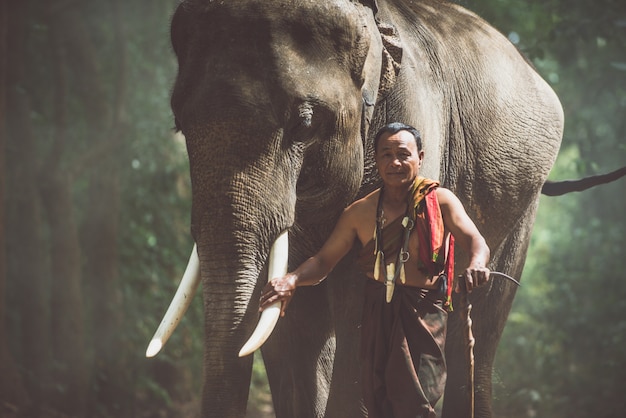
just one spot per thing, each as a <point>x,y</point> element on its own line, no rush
<point>278,289</point>
<point>473,277</point>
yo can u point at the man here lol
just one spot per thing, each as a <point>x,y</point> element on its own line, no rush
<point>409,270</point>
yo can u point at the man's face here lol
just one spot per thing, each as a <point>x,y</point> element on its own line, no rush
<point>397,159</point>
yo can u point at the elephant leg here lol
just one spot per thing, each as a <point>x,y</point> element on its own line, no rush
<point>491,306</point>
<point>346,294</point>
<point>299,356</point>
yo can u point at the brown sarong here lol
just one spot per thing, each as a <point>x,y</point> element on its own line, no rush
<point>402,351</point>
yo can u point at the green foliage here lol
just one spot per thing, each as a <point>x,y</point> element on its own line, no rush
<point>260,401</point>
<point>155,241</point>
<point>109,67</point>
<point>561,354</point>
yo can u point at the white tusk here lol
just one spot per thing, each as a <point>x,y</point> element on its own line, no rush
<point>178,307</point>
<point>278,261</point>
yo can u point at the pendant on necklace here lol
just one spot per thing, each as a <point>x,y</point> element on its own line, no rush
<point>379,257</point>
<point>389,282</point>
<point>402,274</point>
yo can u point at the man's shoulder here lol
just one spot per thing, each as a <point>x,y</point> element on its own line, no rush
<point>446,196</point>
<point>364,206</point>
<point>367,201</point>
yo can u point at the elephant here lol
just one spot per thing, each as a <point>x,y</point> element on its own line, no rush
<point>278,101</point>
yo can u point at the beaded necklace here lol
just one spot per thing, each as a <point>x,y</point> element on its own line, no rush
<point>393,271</point>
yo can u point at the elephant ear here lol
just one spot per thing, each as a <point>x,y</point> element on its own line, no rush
<point>391,54</point>
<point>391,58</point>
<point>371,4</point>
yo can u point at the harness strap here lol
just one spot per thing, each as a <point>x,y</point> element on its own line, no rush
<point>393,271</point>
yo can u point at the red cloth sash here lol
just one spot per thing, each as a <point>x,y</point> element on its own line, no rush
<point>431,235</point>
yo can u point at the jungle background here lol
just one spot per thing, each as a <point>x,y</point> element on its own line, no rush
<point>94,229</point>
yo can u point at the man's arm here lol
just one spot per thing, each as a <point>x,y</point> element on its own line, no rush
<point>316,268</point>
<point>466,234</point>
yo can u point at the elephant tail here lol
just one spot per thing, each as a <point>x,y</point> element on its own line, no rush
<point>558,188</point>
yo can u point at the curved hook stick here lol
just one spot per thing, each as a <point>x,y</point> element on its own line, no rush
<point>506,276</point>
<point>278,263</point>
<point>466,309</point>
<point>178,307</point>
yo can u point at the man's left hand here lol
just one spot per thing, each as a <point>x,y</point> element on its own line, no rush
<point>473,277</point>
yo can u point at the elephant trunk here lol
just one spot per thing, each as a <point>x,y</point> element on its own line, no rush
<point>243,199</point>
<point>230,313</point>
<point>278,262</point>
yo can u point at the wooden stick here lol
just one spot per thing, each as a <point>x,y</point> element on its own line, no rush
<point>466,309</point>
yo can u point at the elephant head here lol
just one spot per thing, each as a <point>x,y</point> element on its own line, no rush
<point>275,99</point>
<point>272,100</point>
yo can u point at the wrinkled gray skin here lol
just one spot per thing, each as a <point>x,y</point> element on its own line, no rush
<point>278,101</point>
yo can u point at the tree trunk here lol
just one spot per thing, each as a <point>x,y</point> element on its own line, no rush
<point>26,253</point>
<point>111,376</point>
<point>12,394</point>
<point>67,320</point>
<point>26,260</point>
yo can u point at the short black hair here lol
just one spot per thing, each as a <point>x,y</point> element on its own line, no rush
<point>395,127</point>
